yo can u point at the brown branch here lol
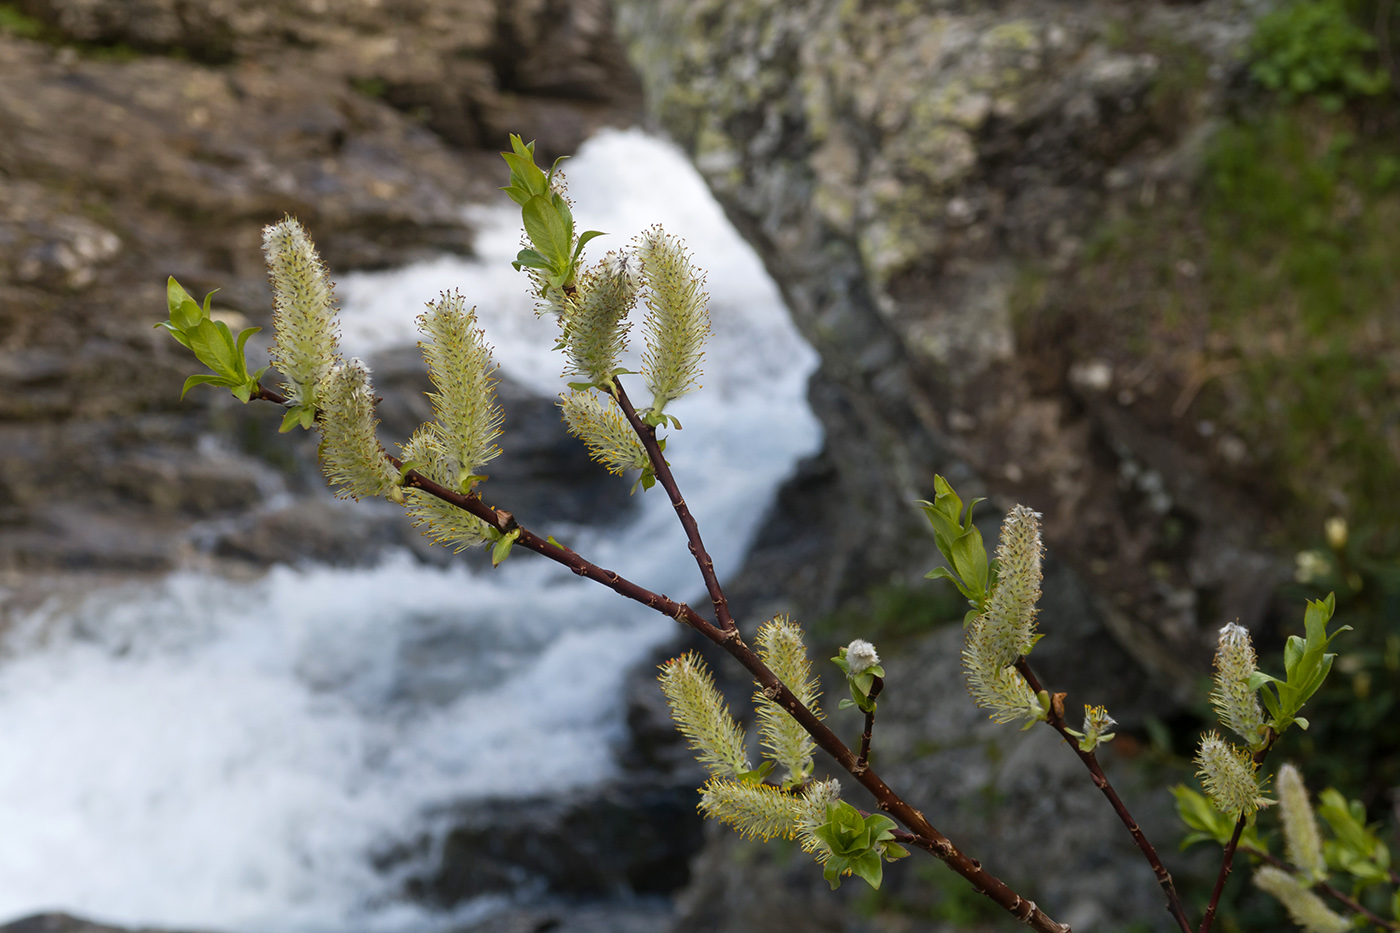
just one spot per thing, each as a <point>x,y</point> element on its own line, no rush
<point>1351,903</point>
<point>924,836</point>
<point>1225,865</point>
<point>647,434</point>
<point>876,686</point>
<point>1055,718</point>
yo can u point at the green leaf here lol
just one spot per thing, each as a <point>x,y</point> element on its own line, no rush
<point>757,775</point>
<point>943,573</point>
<point>528,257</point>
<point>208,379</point>
<point>846,704</point>
<point>548,231</point>
<point>502,549</point>
<point>582,240</point>
<point>297,415</point>
<point>970,559</point>
<point>869,868</point>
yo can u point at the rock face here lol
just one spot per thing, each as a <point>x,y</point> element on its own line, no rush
<point>902,169</point>
<point>156,138</point>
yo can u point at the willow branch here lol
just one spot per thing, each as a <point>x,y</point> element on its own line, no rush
<point>647,434</point>
<point>1056,719</point>
<point>924,836</point>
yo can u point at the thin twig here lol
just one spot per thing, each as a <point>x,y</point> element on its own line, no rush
<point>647,434</point>
<point>1055,718</point>
<point>876,685</point>
<point>1225,866</point>
<point>924,836</point>
<point>1350,902</point>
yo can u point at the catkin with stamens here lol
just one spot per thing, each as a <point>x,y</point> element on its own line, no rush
<point>1000,689</point>
<point>1009,622</point>
<point>1227,773</point>
<point>464,405</point>
<point>351,455</point>
<point>703,717</point>
<point>1304,907</point>
<point>781,646</point>
<point>677,320</point>
<point>442,522</point>
<point>1235,703</point>
<point>595,321</point>
<point>757,811</point>
<point>305,342</point>
<point>601,426</point>
<point>1301,839</point>
<point>811,814</point>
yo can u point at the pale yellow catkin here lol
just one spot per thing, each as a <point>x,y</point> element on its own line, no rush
<point>305,338</point>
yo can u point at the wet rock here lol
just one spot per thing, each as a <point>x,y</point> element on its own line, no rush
<point>625,838</point>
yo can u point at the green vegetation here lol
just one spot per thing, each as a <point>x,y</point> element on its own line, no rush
<point>1312,47</point>
<point>16,23</point>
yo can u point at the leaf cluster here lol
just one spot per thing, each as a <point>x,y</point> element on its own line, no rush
<point>549,222</point>
<point>859,845</point>
<point>1306,665</point>
<point>961,545</point>
<point>212,342</point>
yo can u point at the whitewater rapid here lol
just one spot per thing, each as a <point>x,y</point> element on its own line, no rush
<point>221,755</point>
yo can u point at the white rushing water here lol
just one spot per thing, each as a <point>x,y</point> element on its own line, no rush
<point>225,756</point>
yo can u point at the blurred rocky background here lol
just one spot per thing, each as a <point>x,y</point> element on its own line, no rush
<point>1131,263</point>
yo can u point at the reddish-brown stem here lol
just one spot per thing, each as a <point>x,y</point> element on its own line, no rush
<point>1351,903</point>
<point>876,686</point>
<point>924,836</point>
<point>1225,866</point>
<point>1055,718</point>
<point>647,434</point>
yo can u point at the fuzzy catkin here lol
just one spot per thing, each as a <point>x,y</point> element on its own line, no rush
<point>677,320</point>
<point>757,811</point>
<point>1301,839</point>
<point>1304,907</point>
<point>305,341</point>
<point>594,322</point>
<point>1009,622</point>
<point>440,521</point>
<point>464,405</point>
<point>601,426</point>
<point>811,814</point>
<point>351,455</point>
<point>781,646</point>
<point>1234,702</point>
<point>1228,775</point>
<point>703,717</point>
